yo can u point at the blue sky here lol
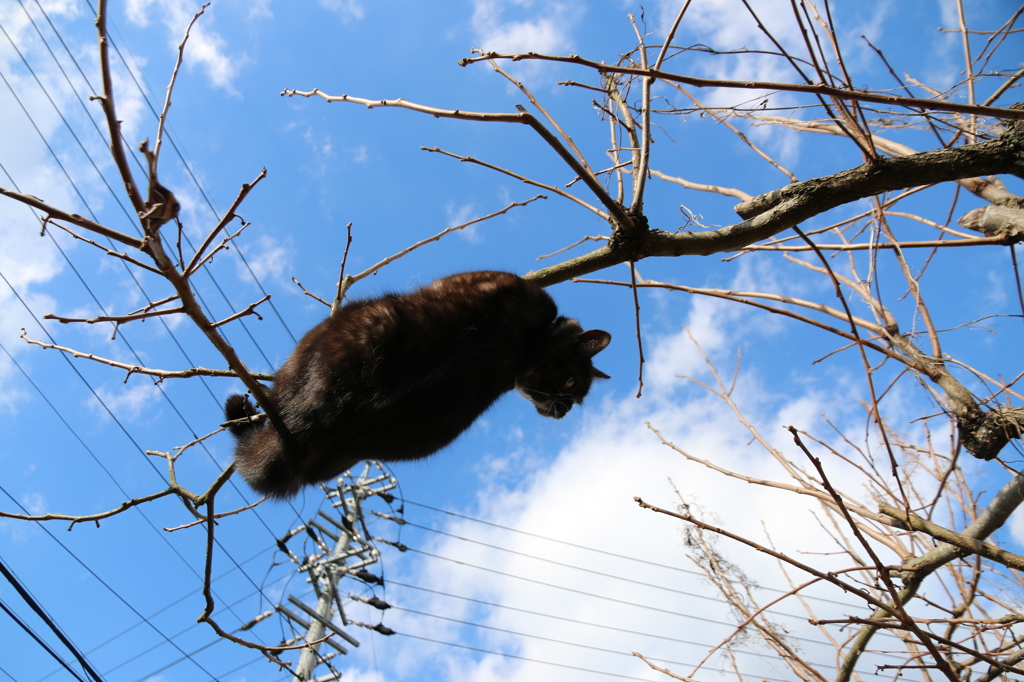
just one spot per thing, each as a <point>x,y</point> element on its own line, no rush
<point>127,591</point>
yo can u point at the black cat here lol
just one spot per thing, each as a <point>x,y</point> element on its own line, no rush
<point>401,376</point>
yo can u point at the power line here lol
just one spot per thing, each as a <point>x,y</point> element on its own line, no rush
<point>599,626</point>
<point>93,455</point>
<point>560,641</point>
<point>522,658</point>
<point>566,619</point>
<point>41,612</point>
<point>643,583</point>
<point>39,640</point>
<point>100,580</point>
<point>593,549</point>
<point>135,226</point>
<point>130,272</point>
<point>143,619</point>
<point>559,665</point>
<point>195,180</point>
<point>41,525</point>
<point>191,627</point>
<point>645,607</point>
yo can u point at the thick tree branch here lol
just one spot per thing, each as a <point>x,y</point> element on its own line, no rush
<point>1004,154</point>
<point>782,209</point>
<point>55,213</point>
<point>106,100</point>
<point>968,544</point>
<point>915,570</point>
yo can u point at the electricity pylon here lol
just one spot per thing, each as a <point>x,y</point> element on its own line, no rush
<point>353,552</point>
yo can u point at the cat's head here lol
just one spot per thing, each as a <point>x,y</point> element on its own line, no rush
<point>563,371</point>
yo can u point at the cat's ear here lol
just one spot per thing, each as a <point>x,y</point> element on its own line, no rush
<point>593,341</point>
<point>598,374</point>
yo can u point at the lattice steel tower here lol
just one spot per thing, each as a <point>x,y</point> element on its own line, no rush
<point>353,552</point>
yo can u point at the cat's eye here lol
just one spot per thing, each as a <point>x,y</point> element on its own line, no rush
<point>570,382</point>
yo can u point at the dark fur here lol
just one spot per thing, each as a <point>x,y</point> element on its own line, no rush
<point>401,376</point>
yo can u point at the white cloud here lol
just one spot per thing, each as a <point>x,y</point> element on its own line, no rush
<point>320,144</point>
<point>128,402</point>
<point>723,24</point>
<point>260,9</point>
<point>11,395</point>
<point>547,30</point>
<point>205,46</point>
<point>34,503</point>
<point>267,257</point>
<point>347,9</point>
<point>1017,528</point>
<point>28,261</point>
<point>136,11</point>
<point>525,26</point>
<point>458,215</point>
<point>585,497</point>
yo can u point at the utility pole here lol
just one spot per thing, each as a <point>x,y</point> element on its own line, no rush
<point>353,551</point>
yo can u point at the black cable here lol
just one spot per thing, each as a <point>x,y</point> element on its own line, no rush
<point>819,666</point>
<point>558,665</point>
<point>592,571</point>
<point>598,551</point>
<point>563,642</point>
<point>131,221</point>
<point>99,579</point>
<point>195,180</point>
<point>39,640</point>
<point>585,594</point>
<point>41,612</point>
<point>563,618</point>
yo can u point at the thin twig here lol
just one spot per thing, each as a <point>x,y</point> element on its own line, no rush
<point>639,338</point>
<point>810,88</point>
<point>120,319</point>
<point>599,238</point>
<point>343,282</point>
<point>522,178</point>
<point>96,518</point>
<point>193,264</point>
<point>110,252</point>
<point>219,516</point>
<point>521,116</point>
<point>136,369</point>
<point>390,259</point>
<point>249,310</point>
<point>162,120</point>
<point>309,293</point>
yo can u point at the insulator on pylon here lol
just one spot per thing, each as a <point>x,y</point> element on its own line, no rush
<point>378,603</point>
<point>368,577</point>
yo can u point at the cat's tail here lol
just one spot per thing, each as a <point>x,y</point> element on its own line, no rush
<point>238,407</point>
<point>260,455</point>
